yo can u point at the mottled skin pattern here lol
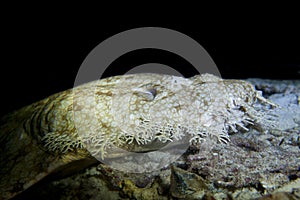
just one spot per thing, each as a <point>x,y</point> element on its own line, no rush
<point>134,112</point>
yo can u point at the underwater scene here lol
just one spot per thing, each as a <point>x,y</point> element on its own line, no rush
<point>153,136</point>
<point>147,113</point>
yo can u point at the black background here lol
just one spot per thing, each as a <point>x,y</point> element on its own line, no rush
<point>41,55</point>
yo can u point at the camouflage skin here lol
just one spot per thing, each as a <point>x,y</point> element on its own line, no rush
<point>66,131</point>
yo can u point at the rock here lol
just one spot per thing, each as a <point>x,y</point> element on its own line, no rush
<point>187,185</point>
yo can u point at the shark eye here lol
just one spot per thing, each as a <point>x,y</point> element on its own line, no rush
<point>148,94</point>
<point>153,92</point>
